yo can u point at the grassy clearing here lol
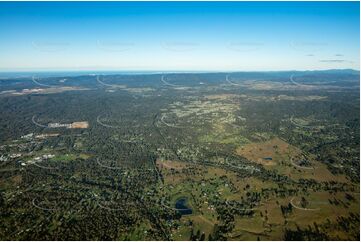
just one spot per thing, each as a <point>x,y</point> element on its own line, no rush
<point>167,164</point>
<point>259,152</point>
<point>278,155</point>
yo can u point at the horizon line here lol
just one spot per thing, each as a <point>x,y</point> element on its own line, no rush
<point>173,71</point>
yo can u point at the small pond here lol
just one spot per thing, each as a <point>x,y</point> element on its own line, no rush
<point>267,158</point>
<point>181,206</point>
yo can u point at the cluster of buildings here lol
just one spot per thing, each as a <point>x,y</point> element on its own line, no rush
<point>39,136</point>
<point>59,125</point>
<point>5,157</point>
<point>37,159</point>
<point>74,125</point>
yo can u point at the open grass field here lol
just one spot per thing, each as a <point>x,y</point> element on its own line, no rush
<point>276,154</point>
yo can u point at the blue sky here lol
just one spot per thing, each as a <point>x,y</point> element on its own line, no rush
<point>204,36</point>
